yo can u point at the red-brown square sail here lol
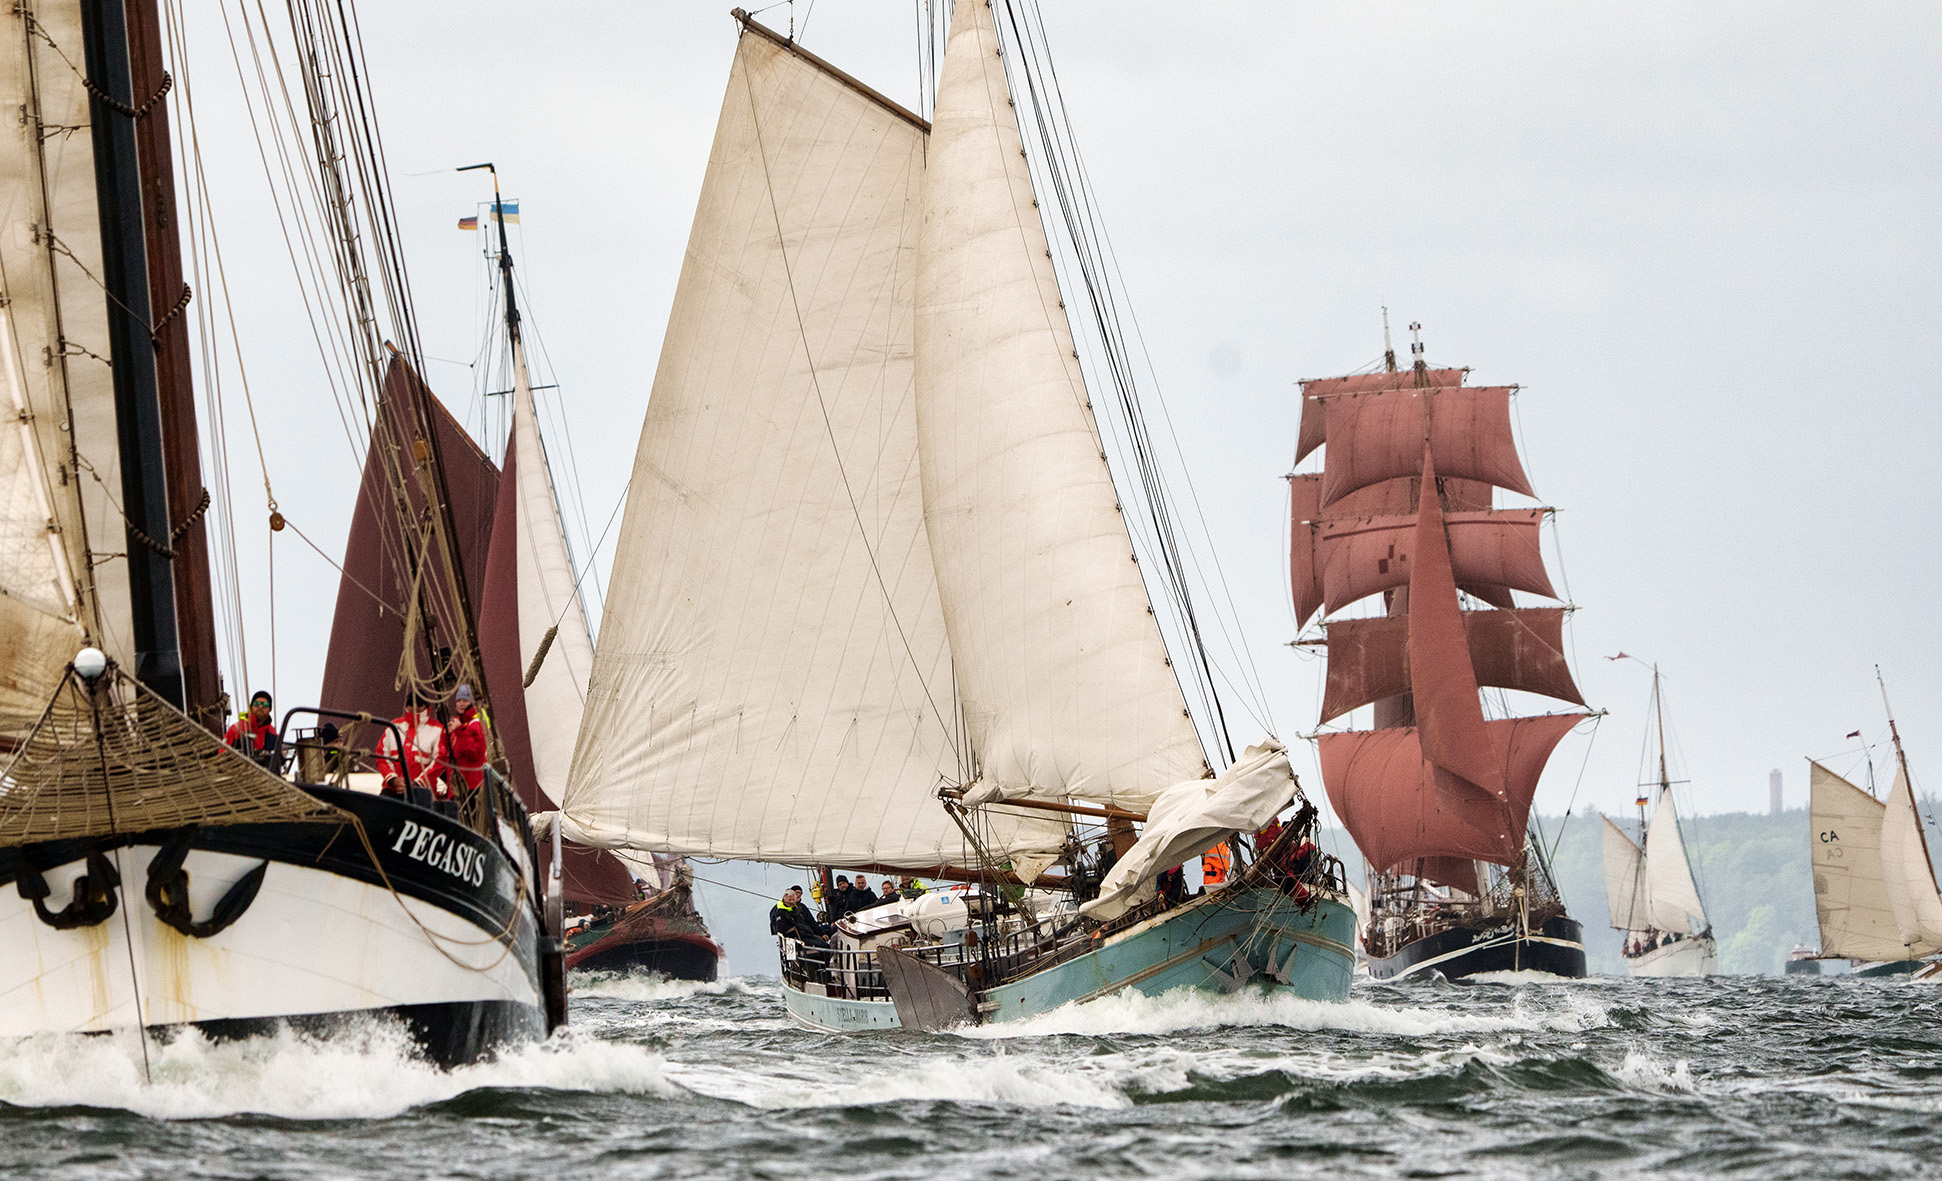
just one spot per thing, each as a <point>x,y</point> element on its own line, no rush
<point>1489,551</point>
<point>1380,436</point>
<point>1313,427</point>
<point>1522,649</point>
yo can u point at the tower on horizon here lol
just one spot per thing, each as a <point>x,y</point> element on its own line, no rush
<point>1773,792</point>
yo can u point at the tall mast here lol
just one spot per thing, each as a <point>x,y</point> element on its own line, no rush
<point>505,253</point>
<point>1388,350</point>
<point>1901,756</point>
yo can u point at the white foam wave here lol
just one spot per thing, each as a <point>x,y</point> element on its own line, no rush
<point>998,1079</point>
<point>367,1073</point>
<point>1642,1068</point>
<point>651,989</point>
<point>1130,1011</point>
<point>1532,976</point>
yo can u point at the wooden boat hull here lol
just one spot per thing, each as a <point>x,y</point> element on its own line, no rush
<point>1558,948</point>
<point>1697,956</point>
<point>443,941</point>
<point>659,948</point>
<point>1889,968</point>
<point>1221,942</point>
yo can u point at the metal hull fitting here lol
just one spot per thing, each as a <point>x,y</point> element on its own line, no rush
<point>1557,947</point>
<point>1697,956</point>
<point>1221,942</point>
<point>444,941</point>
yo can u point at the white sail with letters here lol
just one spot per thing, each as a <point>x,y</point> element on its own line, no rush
<point>1850,896</point>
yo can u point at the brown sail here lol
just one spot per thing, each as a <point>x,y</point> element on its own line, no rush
<point>1522,649</point>
<point>387,591</point>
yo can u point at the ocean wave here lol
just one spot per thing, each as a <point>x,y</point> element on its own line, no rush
<point>997,1079</point>
<point>364,1073</point>
<point>627,986</point>
<point>1130,1011</point>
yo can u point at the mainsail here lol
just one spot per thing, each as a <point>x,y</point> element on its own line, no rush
<point>1851,897</point>
<point>1403,507</point>
<point>1908,873</point>
<point>1673,898</point>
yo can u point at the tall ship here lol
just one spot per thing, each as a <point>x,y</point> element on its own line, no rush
<point>1649,888</point>
<point>1436,794</point>
<point>535,646</point>
<point>172,869</point>
<point>877,600</point>
<point>1875,891</point>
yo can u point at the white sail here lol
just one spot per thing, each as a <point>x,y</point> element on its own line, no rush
<point>772,679</point>
<point>548,599</point>
<point>1626,893</point>
<point>1063,677</point>
<point>1673,898</point>
<point>1850,897</point>
<point>59,394</point>
<point>1908,874</point>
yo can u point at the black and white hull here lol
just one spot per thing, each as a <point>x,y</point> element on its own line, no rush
<point>1556,947</point>
<point>430,924</point>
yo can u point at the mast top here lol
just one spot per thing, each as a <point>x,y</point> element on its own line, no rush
<point>1388,350</point>
<point>1417,365</point>
<point>505,249</point>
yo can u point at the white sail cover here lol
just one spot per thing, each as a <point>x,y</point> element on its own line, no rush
<point>1673,898</point>
<point>59,390</point>
<point>1850,897</point>
<point>1061,670</point>
<point>548,598</point>
<point>1908,873</point>
<point>1192,817</point>
<point>772,679</point>
<point>1627,895</point>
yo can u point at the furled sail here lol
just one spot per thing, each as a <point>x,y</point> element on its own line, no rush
<point>394,575</point>
<point>1063,677</point>
<point>1627,893</point>
<point>60,399</point>
<point>1673,898</point>
<point>773,679</point>
<point>1850,896</point>
<point>1908,873</point>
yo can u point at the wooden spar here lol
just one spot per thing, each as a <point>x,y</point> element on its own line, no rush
<point>953,873</point>
<point>1105,810</point>
<point>750,24</point>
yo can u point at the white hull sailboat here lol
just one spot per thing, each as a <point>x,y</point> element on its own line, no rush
<point>877,602</point>
<point>1649,890</point>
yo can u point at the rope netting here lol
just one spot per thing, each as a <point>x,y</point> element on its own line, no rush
<point>116,758</point>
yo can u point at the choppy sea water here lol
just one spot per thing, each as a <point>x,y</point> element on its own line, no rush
<point>1515,1077</point>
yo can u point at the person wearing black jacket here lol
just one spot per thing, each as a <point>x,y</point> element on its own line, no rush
<point>789,917</point>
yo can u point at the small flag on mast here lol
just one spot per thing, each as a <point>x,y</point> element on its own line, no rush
<point>484,221</point>
<point>468,223</point>
<point>1855,734</point>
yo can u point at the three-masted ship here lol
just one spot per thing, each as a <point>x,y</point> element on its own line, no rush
<point>1649,887</point>
<point>875,603</point>
<point>1875,891</point>
<point>160,877</point>
<point>1436,795</point>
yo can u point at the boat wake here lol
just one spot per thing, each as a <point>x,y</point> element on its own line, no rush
<point>368,1073</point>
<point>628,986</point>
<point>1132,1012</point>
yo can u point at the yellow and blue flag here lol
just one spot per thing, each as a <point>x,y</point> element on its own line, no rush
<point>485,220</point>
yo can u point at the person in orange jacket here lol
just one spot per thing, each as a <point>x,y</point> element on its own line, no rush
<point>469,739</point>
<point>255,732</point>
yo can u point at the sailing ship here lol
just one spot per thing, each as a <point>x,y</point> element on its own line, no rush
<point>876,603</point>
<point>163,879</point>
<point>534,642</point>
<point>1875,891</point>
<point>1650,890</point>
<point>1436,795</point>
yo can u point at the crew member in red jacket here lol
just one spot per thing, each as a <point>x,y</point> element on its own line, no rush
<point>255,732</point>
<point>469,739</point>
<point>424,761</point>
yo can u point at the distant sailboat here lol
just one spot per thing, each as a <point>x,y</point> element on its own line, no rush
<point>1875,890</point>
<point>1650,890</point>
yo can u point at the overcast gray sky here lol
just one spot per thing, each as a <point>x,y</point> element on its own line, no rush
<point>1702,237</point>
